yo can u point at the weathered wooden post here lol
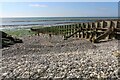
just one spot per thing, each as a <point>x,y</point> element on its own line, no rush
<point>80,28</point>
<point>58,30</point>
<point>55,27</point>
<point>93,32</point>
<point>98,26</point>
<point>69,29</point>
<point>89,30</point>
<point>105,24</point>
<point>72,29</point>
<point>64,31</point>
<point>118,24</point>
<point>86,30</point>
<point>52,29</point>
<point>113,26</point>
<point>83,26</point>
<point>117,34</point>
<point>76,29</point>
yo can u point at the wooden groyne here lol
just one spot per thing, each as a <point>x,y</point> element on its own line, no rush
<point>93,31</point>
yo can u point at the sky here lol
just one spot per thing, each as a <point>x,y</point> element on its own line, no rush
<point>59,0</point>
<point>59,9</point>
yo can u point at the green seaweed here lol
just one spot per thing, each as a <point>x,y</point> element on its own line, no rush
<point>19,32</point>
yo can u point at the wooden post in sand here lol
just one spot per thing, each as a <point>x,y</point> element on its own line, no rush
<point>59,30</point>
<point>103,24</point>
<point>113,26</point>
<point>76,28</point>
<point>83,30</point>
<point>86,31</point>
<point>72,29</point>
<point>97,26</point>
<point>94,30</point>
<point>117,34</point>
<point>67,30</point>
<point>89,30</point>
<point>118,24</point>
<point>64,31</point>
<point>80,27</point>
<point>110,24</point>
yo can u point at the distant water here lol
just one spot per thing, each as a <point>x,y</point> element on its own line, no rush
<point>9,23</point>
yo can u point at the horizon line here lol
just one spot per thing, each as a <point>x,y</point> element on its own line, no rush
<point>55,16</point>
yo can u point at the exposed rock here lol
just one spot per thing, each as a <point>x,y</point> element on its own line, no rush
<point>116,53</point>
<point>8,39</point>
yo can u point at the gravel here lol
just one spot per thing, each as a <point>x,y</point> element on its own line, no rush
<point>41,57</point>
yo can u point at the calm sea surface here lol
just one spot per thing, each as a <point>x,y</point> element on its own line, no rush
<point>8,23</point>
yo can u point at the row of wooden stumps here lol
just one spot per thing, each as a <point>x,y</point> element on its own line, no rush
<point>93,31</point>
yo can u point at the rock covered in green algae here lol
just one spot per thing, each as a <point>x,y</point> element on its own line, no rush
<point>7,39</point>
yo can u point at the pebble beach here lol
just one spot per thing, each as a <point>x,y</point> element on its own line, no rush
<point>42,57</point>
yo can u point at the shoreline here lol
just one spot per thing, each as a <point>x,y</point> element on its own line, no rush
<point>54,24</point>
<point>29,26</point>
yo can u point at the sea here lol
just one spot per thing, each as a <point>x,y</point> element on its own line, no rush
<point>27,22</point>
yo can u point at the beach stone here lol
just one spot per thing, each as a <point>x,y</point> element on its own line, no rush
<point>78,59</point>
<point>116,53</point>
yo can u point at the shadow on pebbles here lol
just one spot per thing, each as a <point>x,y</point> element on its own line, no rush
<point>41,57</point>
